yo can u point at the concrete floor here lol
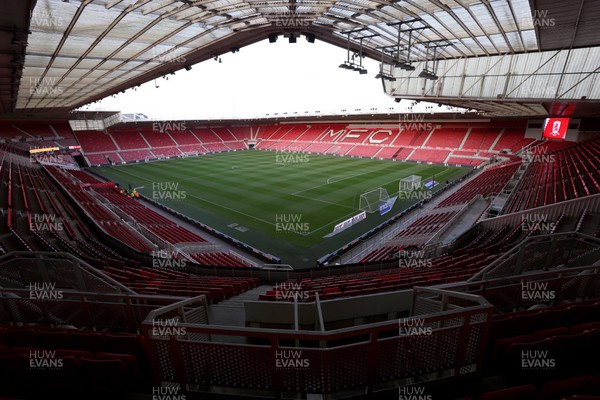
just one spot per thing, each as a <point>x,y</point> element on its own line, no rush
<point>465,221</point>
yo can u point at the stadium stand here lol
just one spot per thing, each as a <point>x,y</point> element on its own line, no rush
<point>42,131</point>
<point>481,138</point>
<point>412,268</point>
<point>511,139</point>
<point>558,174</point>
<point>206,135</point>
<point>178,283</point>
<point>563,329</point>
<point>464,161</point>
<point>129,140</point>
<point>449,138</point>
<point>362,150</point>
<point>108,221</point>
<point>184,138</point>
<point>389,152</point>
<point>95,142</point>
<point>487,287</point>
<point>417,145</point>
<point>101,159</point>
<point>318,147</point>
<point>158,139</point>
<point>434,156</point>
<point>136,155</point>
<point>491,181</point>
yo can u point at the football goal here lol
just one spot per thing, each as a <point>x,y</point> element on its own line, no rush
<point>371,200</point>
<point>409,184</point>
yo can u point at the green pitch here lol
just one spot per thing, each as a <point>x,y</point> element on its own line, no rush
<point>281,203</point>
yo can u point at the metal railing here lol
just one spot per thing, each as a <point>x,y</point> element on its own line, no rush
<point>82,309</point>
<point>271,362</point>
<point>516,292</point>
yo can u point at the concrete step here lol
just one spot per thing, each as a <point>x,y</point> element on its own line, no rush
<point>231,311</point>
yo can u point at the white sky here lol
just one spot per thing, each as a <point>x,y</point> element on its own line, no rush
<point>264,78</point>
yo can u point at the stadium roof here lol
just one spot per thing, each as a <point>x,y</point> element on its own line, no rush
<point>61,54</point>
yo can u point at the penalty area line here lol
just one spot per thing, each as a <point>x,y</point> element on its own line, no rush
<point>342,178</point>
<point>322,201</point>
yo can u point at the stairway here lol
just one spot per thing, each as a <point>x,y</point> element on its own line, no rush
<point>230,312</point>
<point>397,152</point>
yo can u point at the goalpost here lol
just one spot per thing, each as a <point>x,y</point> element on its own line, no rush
<point>409,184</point>
<point>371,200</point>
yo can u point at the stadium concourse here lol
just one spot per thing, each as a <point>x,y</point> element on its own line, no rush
<point>410,256</point>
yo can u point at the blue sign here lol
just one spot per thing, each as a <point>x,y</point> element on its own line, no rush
<point>430,183</point>
<point>384,208</point>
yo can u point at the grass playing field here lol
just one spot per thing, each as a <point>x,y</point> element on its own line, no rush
<point>283,204</point>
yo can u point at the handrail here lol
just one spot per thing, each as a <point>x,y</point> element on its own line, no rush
<point>83,295</point>
<point>591,203</point>
<point>84,309</point>
<point>574,271</point>
<point>186,354</point>
<point>66,256</point>
<point>481,304</point>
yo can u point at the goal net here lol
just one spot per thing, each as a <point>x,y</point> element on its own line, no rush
<point>409,184</point>
<point>371,200</point>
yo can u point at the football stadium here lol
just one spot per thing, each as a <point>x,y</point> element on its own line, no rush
<point>452,254</point>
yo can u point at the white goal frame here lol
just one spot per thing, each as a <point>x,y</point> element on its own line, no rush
<point>410,183</point>
<point>371,200</point>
